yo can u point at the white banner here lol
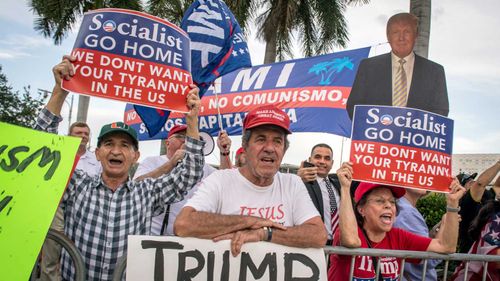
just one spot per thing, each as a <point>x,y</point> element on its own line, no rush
<point>161,258</point>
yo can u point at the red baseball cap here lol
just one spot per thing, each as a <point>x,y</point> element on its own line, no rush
<point>364,187</point>
<point>176,129</point>
<point>267,115</point>
<point>239,151</point>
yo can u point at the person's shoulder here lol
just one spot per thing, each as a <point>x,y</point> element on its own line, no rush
<point>223,173</point>
<point>288,177</point>
<point>208,169</point>
<point>427,62</point>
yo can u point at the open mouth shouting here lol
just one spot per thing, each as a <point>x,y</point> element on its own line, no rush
<point>115,162</point>
<point>387,218</point>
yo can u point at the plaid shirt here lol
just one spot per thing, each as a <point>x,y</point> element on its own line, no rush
<point>99,220</point>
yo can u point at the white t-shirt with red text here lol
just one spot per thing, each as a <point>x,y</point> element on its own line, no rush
<point>364,267</point>
<point>228,192</point>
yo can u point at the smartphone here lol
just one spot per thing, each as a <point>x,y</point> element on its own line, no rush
<point>308,164</point>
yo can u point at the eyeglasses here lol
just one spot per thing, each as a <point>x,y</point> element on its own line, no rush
<point>382,201</point>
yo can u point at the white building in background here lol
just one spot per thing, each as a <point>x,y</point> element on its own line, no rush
<point>473,163</point>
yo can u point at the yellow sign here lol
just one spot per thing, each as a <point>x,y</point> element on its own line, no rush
<point>34,170</point>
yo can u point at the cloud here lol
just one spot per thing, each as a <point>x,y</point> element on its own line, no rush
<point>12,54</point>
<point>11,11</point>
<point>475,144</point>
<point>20,46</point>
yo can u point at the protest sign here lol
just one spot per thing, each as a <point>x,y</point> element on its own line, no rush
<point>312,91</point>
<point>132,56</point>
<point>402,146</point>
<point>175,258</point>
<point>34,170</point>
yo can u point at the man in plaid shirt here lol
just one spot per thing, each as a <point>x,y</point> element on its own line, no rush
<point>101,211</point>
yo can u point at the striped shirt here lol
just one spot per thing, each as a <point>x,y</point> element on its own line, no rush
<point>99,220</point>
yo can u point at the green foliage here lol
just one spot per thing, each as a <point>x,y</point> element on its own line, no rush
<point>18,109</point>
<point>432,207</point>
<point>56,18</point>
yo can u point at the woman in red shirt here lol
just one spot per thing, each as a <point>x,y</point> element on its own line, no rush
<point>369,225</point>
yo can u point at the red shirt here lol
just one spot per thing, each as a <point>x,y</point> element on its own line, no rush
<point>395,239</point>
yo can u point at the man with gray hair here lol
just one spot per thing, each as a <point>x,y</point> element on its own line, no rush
<point>255,202</point>
<point>400,78</point>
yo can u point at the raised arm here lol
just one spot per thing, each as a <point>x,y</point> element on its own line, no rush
<point>64,70</point>
<point>193,103</point>
<point>224,145</point>
<point>446,242</point>
<point>478,187</point>
<point>347,219</point>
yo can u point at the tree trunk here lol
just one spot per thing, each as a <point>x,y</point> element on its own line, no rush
<point>270,55</point>
<point>422,9</point>
<point>83,101</point>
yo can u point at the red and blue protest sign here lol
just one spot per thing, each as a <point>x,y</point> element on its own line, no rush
<point>402,146</point>
<point>312,91</point>
<point>134,57</point>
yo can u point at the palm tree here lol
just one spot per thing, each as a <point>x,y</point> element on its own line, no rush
<point>171,10</point>
<point>319,25</point>
<point>422,9</point>
<point>55,18</point>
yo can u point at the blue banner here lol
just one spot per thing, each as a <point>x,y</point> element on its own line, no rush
<point>312,91</point>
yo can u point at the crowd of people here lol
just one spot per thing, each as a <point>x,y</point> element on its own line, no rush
<point>179,194</point>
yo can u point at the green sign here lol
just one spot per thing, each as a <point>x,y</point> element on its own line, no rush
<point>34,171</point>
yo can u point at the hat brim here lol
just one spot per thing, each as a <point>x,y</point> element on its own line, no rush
<point>397,191</point>
<point>134,140</point>
<point>257,124</point>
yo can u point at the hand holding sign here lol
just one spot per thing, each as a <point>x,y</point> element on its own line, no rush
<point>456,193</point>
<point>131,56</point>
<point>402,146</point>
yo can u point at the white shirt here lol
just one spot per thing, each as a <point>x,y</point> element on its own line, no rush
<point>89,164</point>
<point>408,67</point>
<point>326,205</point>
<point>151,163</point>
<point>228,192</point>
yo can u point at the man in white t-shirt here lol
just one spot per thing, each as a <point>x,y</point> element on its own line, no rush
<point>174,144</point>
<point>255,202</point>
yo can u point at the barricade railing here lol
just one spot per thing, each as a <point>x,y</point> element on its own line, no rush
<point>424,256</point>
<point>74,253</point>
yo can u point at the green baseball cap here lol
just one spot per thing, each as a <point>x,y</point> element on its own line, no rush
<point>118,127</point>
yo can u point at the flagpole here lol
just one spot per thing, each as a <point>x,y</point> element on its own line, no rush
<point>341,150</point>
<point>217,105</point>
<point>219,118</point>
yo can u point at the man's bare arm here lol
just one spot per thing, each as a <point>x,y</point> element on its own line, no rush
<point>310,234</point>
<point>477,189</point>
<point>191,223</point>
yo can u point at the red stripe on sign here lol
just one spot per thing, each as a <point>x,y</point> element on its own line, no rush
<point>401,165</point>
<point>126,79</point>
<point>314,96</point>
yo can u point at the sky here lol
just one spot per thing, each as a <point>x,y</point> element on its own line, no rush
<point>464,38</point>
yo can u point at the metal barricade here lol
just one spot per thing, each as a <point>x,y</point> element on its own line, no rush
<point>485,259</point>
<point>69,246</point>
